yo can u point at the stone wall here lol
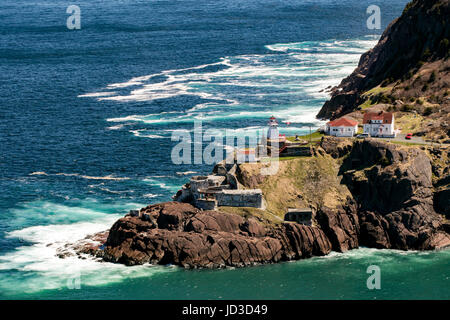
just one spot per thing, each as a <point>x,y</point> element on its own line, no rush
<point>240,198</point>
<point>206,204</point>
<point>204,182</point>
<point>296,152</point>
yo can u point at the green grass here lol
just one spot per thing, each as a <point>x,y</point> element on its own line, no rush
<point>375,91</point>
<point>247,212</point>
<point>316,135</point>
<point>270,159</point>
<point>409,122</point>
<point>406,143</point>
<point>301,182</point>
<point>367,104</point>
<point>292,158</point>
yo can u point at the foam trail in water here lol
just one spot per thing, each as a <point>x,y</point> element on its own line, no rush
<point>108,177</point>
<point>45,270</point>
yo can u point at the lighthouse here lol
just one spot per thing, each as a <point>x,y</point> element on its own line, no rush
<point>272,133</point>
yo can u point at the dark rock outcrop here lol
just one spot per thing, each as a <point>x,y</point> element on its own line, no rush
<point>392,185</point>
<point>336,147</point>
<point>178,233</point>
<point>442,201</point>
<point>341,225</point>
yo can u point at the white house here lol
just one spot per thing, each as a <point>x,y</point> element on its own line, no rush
<point>342,127</point>
<point>379,124</point>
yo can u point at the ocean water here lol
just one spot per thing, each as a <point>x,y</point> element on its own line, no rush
<point>86,120</point>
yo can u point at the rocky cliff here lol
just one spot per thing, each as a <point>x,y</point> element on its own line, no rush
<point>177,233</point>
<point>393,187</point>
<point>407,71</point>
<point>363,193</point>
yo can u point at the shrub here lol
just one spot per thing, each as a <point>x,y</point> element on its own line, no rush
<point>407,108</point>
<point>384,161</point>
<point>444,47</point>
<point>408,75</point>
<point>384,99</point>
<point>432,77</point>
<point>392,108</point>
<point>384,83</point>
<point>425,87</point>
<point>428,111</point>
<point>426,54</point>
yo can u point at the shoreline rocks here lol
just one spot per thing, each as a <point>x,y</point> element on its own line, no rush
<point>178,233</point>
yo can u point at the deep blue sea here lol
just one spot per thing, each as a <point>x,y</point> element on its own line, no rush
<point>86,118</point>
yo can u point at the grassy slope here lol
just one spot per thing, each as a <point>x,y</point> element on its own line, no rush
<point>300,182</point>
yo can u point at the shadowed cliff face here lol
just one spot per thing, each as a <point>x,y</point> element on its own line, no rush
<point>419,36</point>
<point>393,188</point>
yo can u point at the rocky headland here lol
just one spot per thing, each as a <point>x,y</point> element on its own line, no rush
<point>363,193</point>
<point>367,192</point>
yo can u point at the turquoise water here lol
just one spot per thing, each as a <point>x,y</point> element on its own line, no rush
<point>413,275</point>
<point>86,121</point>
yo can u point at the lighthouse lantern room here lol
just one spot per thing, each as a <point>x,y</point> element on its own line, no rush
<point>273,133</point>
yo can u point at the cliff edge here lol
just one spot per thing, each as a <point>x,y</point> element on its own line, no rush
<point>361,193</point>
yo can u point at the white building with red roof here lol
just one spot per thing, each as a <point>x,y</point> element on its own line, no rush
<point>379,124</point>
<point>342,127</point>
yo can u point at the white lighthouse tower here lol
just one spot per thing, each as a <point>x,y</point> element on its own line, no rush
<point>273,133</point>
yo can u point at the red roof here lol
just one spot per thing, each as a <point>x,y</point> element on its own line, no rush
<point>246,151</point>
<point>387,117</point>
<point>343,122</point>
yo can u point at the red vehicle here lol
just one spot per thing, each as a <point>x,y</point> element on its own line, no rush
<point>408,136</point>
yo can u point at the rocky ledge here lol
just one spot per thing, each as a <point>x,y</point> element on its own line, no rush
<point>178,233</point>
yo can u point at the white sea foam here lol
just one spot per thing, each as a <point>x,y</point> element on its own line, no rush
<point>253,86</point>
<point>38,173</point>
<point>139,133</point>
<point>44,269</point>
<point>97,94</point>
<point>47,271</point>
<point>151,195</point>
<point>41,212</point>
<point>108,177</point>
<point>118,127</point>
<point>154,181</point>
<point>186,173</point>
